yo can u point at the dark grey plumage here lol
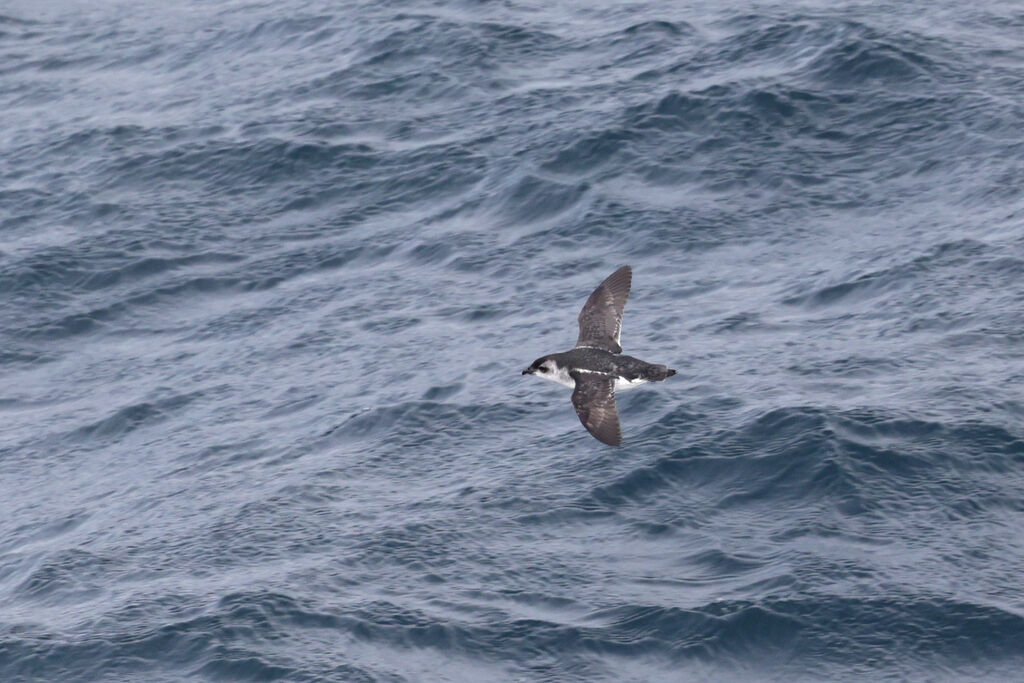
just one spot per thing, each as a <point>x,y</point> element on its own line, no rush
<point>594,401</point>
<point>595,368</point>
<point>601,317</point>
<point>599,360</point>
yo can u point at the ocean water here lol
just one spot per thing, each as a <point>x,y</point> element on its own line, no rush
<point>269,272</point>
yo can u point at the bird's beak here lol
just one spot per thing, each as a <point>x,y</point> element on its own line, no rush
<point>528,371</point>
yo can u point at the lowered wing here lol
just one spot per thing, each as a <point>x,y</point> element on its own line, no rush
<point>594,401</point>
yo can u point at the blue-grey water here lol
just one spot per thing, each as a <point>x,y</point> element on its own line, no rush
<point>269,272</point>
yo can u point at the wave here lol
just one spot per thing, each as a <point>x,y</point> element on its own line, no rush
<point>858,464</point>
<point>259,347</point>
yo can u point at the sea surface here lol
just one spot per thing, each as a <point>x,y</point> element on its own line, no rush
<point>269,272</point>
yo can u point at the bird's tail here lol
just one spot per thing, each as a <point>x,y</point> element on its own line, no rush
<point>662,372</point>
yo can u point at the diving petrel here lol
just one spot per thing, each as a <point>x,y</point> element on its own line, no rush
<point>596,368</point>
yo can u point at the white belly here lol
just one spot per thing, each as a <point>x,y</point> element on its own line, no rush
<point>561,376</point>
<point>623,384</point>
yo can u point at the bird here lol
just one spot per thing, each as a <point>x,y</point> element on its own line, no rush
<point>595,369</point>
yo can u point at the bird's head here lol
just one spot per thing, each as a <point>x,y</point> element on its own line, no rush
<point>541,366</point>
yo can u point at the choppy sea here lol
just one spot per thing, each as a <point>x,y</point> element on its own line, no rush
<point>269,272</point>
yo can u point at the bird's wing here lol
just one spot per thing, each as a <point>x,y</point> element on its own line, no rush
<point>601,317</point>
<point>594,401</point>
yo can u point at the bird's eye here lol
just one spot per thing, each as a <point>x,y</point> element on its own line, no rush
<point>542,369</point>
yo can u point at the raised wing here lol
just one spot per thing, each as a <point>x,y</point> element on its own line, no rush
<point>594,401</point>
<point>601,317</point>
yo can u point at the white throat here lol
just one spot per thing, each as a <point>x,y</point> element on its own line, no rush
<point>560,375</point>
